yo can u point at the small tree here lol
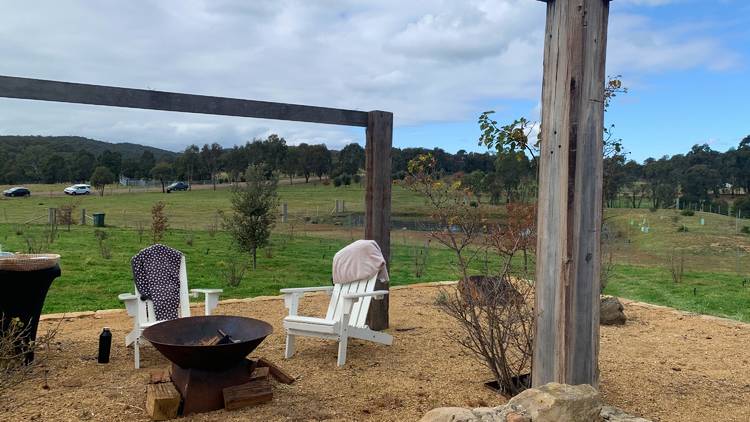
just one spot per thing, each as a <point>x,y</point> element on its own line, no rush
<point>254,206</point>
<point>159,222</point>
<point>101,177</point>
<point>162,172</point>
<point>65,214</point>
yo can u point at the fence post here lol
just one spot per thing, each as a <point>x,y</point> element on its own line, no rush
<point>52,217</point>
<point>284,212</point>
<point>83,216</point>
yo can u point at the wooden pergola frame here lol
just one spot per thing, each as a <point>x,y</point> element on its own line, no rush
<point>569,219</point>
<point>378,124</point>
<point>566,341</point>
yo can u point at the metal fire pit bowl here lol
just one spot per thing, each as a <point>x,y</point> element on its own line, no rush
<point>179,340</point>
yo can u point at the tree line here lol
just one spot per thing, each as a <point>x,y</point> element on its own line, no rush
<point>70,159</point>
<point>700,176</point>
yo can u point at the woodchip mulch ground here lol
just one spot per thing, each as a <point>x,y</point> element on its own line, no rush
<point>663,364</point>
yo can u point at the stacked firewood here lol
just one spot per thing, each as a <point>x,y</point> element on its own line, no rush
<point>163,400</point>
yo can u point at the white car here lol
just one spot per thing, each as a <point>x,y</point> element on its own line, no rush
<point>78,190</point>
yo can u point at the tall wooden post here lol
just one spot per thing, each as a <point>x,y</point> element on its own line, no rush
<point>566,342</point>
<point>378,200</point>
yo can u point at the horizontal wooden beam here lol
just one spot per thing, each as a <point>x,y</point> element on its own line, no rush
<point>67,92</point>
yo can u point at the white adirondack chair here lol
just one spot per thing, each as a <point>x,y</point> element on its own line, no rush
<point>143,314</point>
<point>345,318</point>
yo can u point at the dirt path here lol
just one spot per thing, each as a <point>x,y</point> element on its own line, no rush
<point>663,365</point>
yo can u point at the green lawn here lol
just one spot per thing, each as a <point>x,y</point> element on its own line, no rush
<point>91,282</point>
<point>712,293</point>
<point>714,255</point>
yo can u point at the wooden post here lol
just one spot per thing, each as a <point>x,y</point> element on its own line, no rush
<point>284,212</point>
<point>83,216</point>
<point>566,342</point>
<point>52,216</point>
<point>378,200</point>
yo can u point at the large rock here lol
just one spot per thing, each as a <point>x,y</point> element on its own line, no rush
<point>449,414</point>
<point>611,311</point>
<point>549,403</point>
<point>555,402</point>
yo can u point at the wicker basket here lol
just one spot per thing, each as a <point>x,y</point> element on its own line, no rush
<point>28,262</point>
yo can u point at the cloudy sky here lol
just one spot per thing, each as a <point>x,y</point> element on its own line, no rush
<point>435,64</point>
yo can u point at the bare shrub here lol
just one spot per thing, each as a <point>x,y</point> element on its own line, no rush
<point>15,367</point>
<point>140,228</point>
<point>419,257</point>
<point>65,215</point>
<point>497,320</point>
<point>495,310</point>
<point>518,234</point>
<point>233,270</point>
<point>213,228</point>
<point>607,241</point>
<point>677,266</point>
<point>291,225</point>
<point>36,244</point>
<point>105,249</point>
<point>159,222</point>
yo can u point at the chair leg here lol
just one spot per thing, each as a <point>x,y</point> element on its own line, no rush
<point>342,351</point>
<point>137,353</point>
<point>289,346</point>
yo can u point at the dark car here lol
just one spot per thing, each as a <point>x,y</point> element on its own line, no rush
<point>17,191</point>
<point>177,186</point>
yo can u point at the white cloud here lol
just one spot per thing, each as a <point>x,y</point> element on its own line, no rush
<point>427,61</point>
<point>636,46</point>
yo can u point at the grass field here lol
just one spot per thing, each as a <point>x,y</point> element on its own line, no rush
<point>91,282</point>
<point>715,255</point>
<point>198,208</point>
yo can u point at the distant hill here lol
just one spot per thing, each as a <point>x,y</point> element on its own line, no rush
<point>69,145</point>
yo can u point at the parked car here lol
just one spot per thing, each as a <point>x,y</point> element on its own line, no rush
<point>177,186</point>
<point>78,190</point>
<point>17,191</point>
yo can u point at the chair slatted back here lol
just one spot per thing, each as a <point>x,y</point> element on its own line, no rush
<point>358,316</point>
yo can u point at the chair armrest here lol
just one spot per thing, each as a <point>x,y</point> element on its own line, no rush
<point>350,298</point>
<point>212,298</point>
<point>196,292</point>
<point>131,303</point>
<point>306,289</point>
<point>377,294</point>
<point>292,295</point>
<point>127,296</point>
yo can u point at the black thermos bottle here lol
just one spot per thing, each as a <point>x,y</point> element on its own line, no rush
<point>105,343</point>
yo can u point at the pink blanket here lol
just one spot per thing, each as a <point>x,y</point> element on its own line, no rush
<point>359,261</point>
